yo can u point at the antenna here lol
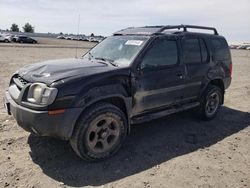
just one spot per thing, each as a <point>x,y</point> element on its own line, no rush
<point>77,39</point>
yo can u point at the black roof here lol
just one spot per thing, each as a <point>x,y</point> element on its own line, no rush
<point>154,30</point>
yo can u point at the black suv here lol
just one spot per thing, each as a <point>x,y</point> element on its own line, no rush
<point>24,39</point>
<point>136,75</point>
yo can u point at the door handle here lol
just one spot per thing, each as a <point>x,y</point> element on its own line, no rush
<point>179,75</point>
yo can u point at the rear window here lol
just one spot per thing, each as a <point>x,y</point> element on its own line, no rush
<point>220,49</point>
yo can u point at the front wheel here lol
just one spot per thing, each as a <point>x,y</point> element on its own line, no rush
<point>210,102</point>
<point>99,132</point>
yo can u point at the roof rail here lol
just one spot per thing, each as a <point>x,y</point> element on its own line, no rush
<point>151,30</point>
<point>185,27</point>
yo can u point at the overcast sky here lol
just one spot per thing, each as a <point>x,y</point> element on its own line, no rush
<point>230,17</point>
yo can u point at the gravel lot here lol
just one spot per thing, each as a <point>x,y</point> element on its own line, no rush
<point>176,151</point>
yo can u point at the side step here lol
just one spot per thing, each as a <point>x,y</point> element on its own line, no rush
<point>156,115</point>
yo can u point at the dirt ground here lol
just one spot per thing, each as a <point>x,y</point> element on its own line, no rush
<point>176,151</point>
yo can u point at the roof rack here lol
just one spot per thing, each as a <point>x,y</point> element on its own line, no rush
<point>185,27</point>
<point>150,30</point>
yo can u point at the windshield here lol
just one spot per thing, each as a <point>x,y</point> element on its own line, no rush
<point>120,50</point>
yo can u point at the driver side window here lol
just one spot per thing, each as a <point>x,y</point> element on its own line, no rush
<point>162,53</point>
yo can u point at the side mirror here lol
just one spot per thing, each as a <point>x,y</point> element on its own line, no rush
<point>138,68</point>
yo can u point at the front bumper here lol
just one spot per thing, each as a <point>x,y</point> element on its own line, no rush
<point>40,123</point>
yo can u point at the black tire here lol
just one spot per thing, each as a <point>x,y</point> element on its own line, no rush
<point>6,40</point>
<point>212,95</point>
<point>87,139</point>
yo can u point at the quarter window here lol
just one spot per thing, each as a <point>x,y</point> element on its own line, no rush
<point>162,53</point>
<point>220,49</point>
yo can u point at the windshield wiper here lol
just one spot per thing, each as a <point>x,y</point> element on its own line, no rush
<point>110,61</point>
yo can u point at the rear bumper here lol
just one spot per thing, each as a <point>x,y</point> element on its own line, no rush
<point>40,123</point>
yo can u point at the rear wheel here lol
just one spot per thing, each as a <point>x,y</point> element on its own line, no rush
<point>210,102</point>
<point>100,132</point>
<point>6,40</point>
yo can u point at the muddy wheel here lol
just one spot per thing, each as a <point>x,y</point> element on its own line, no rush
<point>210,102</point>
<point>99,132</point>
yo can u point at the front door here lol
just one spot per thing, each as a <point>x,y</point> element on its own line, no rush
<point>160,79</point>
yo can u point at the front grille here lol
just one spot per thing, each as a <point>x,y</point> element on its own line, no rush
<point>24,82</point>
<point>19,81</point>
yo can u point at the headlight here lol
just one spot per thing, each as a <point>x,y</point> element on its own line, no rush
<point>39,93</point>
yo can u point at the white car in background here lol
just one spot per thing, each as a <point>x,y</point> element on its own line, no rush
<point>5,38</point>
<point>248,48</point>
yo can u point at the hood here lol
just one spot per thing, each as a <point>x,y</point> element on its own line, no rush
<point>50,71</point>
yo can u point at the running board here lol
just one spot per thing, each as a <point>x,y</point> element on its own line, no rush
<point>156,115</point>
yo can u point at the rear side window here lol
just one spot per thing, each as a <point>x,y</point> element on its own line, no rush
<point>220,49</point>
<point>192,51</point>
<point>162,53</point>
<point>195,51</point>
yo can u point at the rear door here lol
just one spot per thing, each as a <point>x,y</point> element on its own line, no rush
<point>29,40</point>
<point>196,60</point>
<point>160,79</point>
<point>22,39</point>
<point>26,40</point>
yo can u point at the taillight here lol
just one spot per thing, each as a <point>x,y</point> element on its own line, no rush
<point>231,70</point>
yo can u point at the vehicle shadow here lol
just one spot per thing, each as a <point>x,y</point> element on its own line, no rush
<point>148,145</point>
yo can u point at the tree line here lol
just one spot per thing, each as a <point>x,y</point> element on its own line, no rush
<point>28,28</point>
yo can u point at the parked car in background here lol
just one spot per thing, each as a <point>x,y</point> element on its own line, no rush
<point>81,38</point>
<point>14,38</point>
<point>60,37</point>
<point>243,47</point>
<point>100,40</point>
<point>85,39</point>
<point>5,38</point>
<point>93,39</point>
<point>25,39</point>
<point>234,46</point>
<point>248,48</point>
<point>69,37</point>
